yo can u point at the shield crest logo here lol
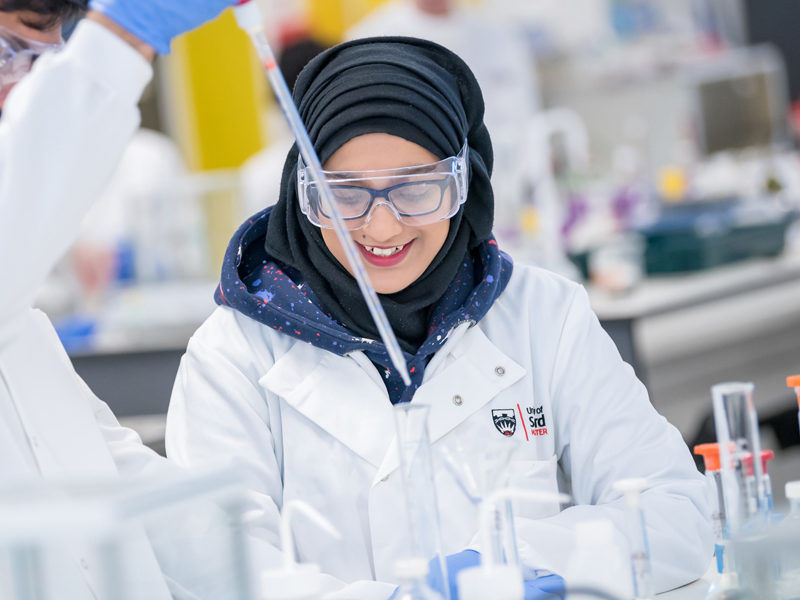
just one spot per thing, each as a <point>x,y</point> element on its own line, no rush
<point>505,420</point>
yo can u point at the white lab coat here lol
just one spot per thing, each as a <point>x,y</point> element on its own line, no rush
<point>64,128</point>
<point>307,424</point>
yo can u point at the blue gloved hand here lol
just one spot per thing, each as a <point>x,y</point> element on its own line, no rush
<point>455,563</point>
<point>156,22</point>
<point>551,587</point>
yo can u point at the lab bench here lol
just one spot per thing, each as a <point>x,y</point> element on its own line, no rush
<point>621,315</point>
<point>132,357</point>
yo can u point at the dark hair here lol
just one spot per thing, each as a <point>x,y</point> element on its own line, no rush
<point>55,11</point>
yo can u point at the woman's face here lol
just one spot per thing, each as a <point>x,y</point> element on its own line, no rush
<point>384,234</point>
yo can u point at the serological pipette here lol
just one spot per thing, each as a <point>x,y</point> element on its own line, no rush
<point>248,17</point>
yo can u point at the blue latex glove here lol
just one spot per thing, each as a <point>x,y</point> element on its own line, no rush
<point>156,22</point>
<point>551,587</point>
<point>455,563</point>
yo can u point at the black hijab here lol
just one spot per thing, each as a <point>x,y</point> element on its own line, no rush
<point>413,89</point>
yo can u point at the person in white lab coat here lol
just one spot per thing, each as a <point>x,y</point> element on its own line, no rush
<point>28,29</point>
<point>63,129</point>
<point>287,379</point>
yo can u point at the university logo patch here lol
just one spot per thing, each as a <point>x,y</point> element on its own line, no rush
<point>505,420</point>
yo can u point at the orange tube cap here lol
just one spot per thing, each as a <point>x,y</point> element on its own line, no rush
<point>710,454</point>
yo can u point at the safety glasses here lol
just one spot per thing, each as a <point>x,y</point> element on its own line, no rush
<point>17,55</point>
<point>416,196</point>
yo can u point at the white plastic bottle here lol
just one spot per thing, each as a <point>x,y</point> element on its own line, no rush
<point>793,496</point>
<point>302,582</point>
<point>789,584</point>
<point>413,575</point>
<point>294,581</point>
<point>598,563</point>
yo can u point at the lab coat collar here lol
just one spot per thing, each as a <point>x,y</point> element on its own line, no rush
<point>345,396</point>
<point>254,284</point>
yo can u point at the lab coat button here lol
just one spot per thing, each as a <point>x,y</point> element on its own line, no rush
<point>34,442</point>
<point>84,564</point>
<point>500,371</point>
<point>458,400</point>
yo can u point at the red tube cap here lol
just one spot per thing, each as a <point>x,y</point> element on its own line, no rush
<point>765,456</point>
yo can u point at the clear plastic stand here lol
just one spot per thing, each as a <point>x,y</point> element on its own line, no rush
<point>736,423</point>
<point>479,477</point>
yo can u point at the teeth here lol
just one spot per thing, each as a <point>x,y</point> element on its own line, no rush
<point>384,251</point>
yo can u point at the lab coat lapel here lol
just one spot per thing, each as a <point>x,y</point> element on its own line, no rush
<point>339,394</point>
<point>57,419</point>
<point>478,373</point>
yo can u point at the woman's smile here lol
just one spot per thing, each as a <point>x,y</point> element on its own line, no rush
<point>385,256</point>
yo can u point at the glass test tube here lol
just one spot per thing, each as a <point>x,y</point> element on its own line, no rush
<point>416,466</point>
<point>736,423</point>
<point>716,500</point>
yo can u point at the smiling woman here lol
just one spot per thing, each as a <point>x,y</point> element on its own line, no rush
<point>373,107</point>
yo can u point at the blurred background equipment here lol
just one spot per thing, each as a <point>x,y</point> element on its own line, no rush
<point>741,100</point>
<point>772,22</point>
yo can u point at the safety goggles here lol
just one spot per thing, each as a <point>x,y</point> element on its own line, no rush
<point>416,196</point>
<point>17,55</point>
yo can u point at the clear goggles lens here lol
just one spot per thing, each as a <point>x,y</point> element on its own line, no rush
<point>17,55</point>
<point>416,195</point>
